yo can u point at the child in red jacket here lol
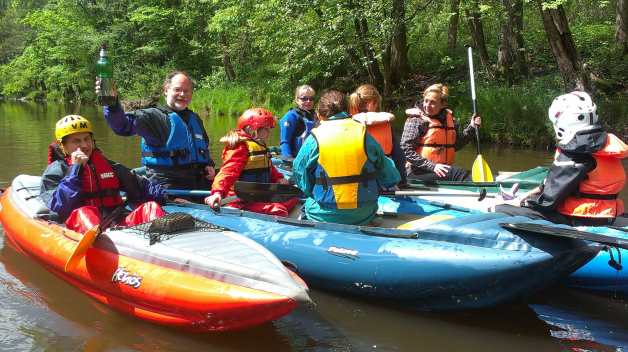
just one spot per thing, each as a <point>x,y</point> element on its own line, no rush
<point>247,158</point>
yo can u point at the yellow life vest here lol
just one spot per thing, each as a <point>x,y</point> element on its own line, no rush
<point>345,178</point>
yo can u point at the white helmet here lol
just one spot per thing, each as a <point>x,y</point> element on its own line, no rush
<point>571,113</point>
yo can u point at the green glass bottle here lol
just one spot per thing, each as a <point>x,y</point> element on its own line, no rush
<point>104,69</point>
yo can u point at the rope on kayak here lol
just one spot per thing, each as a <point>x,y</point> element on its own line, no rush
<point>172,225</point>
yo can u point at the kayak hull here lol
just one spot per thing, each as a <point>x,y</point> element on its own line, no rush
<point>451,267</point>
<point>158,289</point>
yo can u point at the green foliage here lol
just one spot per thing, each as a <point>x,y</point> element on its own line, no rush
<point>48,49</point>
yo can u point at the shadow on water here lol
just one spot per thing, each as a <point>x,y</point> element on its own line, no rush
<point>40,310</point>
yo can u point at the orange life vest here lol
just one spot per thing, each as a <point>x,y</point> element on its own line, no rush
<point>596,197</point>
<point>437,144</point>
<point>378,126</point>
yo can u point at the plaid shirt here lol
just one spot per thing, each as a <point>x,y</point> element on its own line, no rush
<point>415,128</point>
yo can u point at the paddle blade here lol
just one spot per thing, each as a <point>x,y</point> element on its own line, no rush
<point>81,248</point>
<point>481,172</point>
<point>266,192</point>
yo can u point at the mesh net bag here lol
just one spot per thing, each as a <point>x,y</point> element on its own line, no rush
<point>174,224</point>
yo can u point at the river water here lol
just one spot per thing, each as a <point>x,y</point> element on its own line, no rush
<point>41,312</point>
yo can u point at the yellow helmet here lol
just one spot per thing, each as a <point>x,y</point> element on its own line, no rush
<point>71,124</point>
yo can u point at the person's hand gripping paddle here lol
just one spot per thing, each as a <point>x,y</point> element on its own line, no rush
<point>480,172</point>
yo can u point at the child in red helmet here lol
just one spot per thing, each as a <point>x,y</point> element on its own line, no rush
<point>247,158</point>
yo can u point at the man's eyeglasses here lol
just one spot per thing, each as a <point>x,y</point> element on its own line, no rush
<point>179,91</point>
<point>307,98</point>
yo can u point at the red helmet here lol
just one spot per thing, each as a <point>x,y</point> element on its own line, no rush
<point>256,118</point>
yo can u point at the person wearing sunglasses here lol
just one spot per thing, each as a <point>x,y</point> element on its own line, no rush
<point>297,123</point>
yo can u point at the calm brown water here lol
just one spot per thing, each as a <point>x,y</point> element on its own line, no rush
<point>41,312</point>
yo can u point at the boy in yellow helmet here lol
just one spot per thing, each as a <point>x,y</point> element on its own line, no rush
<point>80,184</point>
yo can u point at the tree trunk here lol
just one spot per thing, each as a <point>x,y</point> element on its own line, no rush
<point>517,24</point>
<point>226,59</point>
<point>452,34</point>
<point>621,22</point>
<point>565,51</point>
<point>399,50</point>
<point>361,30</point>
<point>477,32</point>
<point>510,56</point>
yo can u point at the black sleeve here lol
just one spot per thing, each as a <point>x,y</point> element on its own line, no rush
<point>563,177</point>
<point>129,182</point>
<point>154,122</point>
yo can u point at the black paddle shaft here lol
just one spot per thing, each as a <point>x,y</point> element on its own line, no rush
<point>567,232</point>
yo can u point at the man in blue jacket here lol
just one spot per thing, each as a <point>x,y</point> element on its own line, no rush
<point>174,141</point>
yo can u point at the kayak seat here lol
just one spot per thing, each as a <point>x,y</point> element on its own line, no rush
<point>25,193</point>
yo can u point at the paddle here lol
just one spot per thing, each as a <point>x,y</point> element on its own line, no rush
<point>481,171</point>
<point>183,192</point>
<point>279,193</point>
<point>90,236</point>
<point>566,232</point>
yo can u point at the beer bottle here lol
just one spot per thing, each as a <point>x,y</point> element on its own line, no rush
<point>104,69</point>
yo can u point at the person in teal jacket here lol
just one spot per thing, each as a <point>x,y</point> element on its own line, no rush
<point>341,168</point>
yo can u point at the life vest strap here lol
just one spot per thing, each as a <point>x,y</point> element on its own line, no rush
<point>166,154</point>
<point>441,127</point>
<point>364,177</point>
<point>107,192</point>
<point>256,171</point>
<point>578,195</point>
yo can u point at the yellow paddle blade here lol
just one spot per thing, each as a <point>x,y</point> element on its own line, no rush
<point>423,222</point>
<point>81,248</point>
<point>481,172</point>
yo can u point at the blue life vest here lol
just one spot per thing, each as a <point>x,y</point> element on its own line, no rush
<point>299,139</point>
<point>345,178</point>
<point>185,145</point>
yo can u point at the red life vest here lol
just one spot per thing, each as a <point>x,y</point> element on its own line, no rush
<point>438,143</point>
<point>596,196</point>
<point>101,187</point>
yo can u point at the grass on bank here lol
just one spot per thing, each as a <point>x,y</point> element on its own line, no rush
<point>513,116</point>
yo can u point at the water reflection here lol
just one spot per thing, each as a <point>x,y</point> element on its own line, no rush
<point>39,311</point>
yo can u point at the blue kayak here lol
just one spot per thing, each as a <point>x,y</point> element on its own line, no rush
<point>597,275</point>
<point>431,263</point>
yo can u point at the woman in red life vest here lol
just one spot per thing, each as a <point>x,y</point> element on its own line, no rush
<point>430,138</point>
<point>80,185</point>
<point>582,185</point>
<point>362,105</point>
<point>247,158</point>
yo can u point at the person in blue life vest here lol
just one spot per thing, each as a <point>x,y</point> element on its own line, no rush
<point>363,105</point>
<point>297,123</point>
<point>341,167</point>
<point>174,141</point>
<point>430,138</point>
<point>80,185</point>
<point>583,182</point>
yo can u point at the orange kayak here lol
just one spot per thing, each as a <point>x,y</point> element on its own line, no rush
<point>197,279</point>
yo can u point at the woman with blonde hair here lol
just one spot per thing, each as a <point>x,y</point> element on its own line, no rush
<point>341,167</point>
<point>247,158</point>
<point>430,138</point>
<point>297,123</point>
<point>363,104</point>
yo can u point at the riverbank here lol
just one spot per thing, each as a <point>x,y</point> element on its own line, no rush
<point>511,116</point>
